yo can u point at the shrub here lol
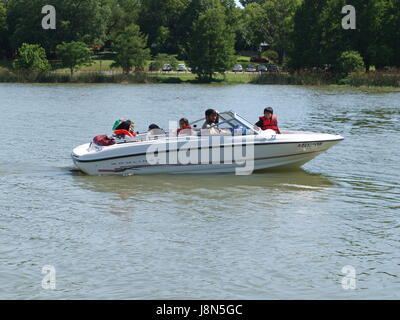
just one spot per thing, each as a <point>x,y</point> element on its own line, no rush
<point>155,66</point>
<point>31,58</point>
<point>271,55</point>
<point>350,61</point>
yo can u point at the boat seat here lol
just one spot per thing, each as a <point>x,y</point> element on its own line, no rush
<point>216,132</point>
<point>156,132</point>
<point>186,132</point>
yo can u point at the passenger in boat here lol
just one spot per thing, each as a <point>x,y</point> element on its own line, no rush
<point>212,119</point>
<point>268,121</point>
<point>183,125</point>
<point>153,126</point>
<point>117,123</point>
<point>125,129</point>
<point>155,130</point>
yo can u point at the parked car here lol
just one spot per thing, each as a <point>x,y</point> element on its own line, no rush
<point>258,60</point>
<point>181,67</point>
<point>167,67</point>
<point>261,68</point>
<point>237,68</point>
<point>273,68</point>
<point>251,69</point>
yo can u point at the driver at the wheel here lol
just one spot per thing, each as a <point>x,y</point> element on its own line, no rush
<point>212,119</point>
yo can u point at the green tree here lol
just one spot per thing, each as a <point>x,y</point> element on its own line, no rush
<point>252,16</point>
<point>3,30</point>
<point>163,58</point>
<point>130,46</point>
<point>184,29</point>
<point>74,54</point>
<point>277,24</point>
<point>211,49</point>
<point>77,20</point>
<point>237,21</point>
<point>318,38</point>
<point>270,55</point>
<point>388,51</point>
<point>159,20</point>
<point>305,48</point>
<point>269,21</point>
<point>31,58</point>
<point>122,14</point>
<point>246,2</point>
<point>350,61</point>
<point>365,39</point>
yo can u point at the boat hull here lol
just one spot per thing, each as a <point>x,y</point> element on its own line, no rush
<point>264,155</point>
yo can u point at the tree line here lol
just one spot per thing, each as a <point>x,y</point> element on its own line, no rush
<point>206,33</point>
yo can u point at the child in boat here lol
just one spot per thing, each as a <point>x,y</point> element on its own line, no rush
<point>268,121</point>
<point>183,125</point>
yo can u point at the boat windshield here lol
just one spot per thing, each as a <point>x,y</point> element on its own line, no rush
<point>228,120</point>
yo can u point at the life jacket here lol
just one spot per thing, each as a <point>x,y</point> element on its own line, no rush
<point>122,132</point>
<point>183,128</point>
<point>270,123</point>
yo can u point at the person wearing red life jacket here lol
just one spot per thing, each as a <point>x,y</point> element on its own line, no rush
<point>125,129</point>
<point>183,125</point>
<point>268,121</point>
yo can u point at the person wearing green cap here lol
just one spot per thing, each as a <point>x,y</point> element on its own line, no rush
<point>124,128</point>
<point>117,123</point>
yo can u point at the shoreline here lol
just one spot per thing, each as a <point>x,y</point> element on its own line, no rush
<point>371,80</point>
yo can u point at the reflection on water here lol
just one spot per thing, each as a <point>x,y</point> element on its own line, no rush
<point>279,181</point>
<point>271,235</point>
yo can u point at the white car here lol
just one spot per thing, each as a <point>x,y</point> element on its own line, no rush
<point>181,67</point>
<point>238,68</point>
<point>167,68</point>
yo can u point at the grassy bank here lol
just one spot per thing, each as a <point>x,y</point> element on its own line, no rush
<point>298,78</point>
<point>7,75</point>
<point>57,77</point>
<point>371,79</point>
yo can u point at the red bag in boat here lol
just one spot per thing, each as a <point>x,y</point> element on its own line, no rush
<point>103,141</point>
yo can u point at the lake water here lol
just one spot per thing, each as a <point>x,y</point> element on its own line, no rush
<point>271,235</point>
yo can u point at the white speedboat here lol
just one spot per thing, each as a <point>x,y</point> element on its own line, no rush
<point>233,145</point>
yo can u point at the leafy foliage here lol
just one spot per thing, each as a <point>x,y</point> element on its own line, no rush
<point>307,33</point>
<point>31,58</point>
<point>350,61</point>
<point>130,46</point>
<point>77,20</point>
<point>271,55</point>
<point>318,38</point>
<point>3,29</point>
<point>74,54</point>
<point>158,19</point>
<point>162,59</point>
<point>211,48</point>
